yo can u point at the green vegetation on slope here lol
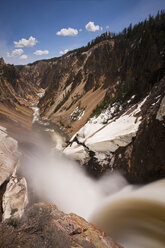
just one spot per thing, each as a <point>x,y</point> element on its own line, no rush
<point>138,61</point>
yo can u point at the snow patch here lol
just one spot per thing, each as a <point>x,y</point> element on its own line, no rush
<point>76,151</point>
<point>116,133</point>
<point>103,158</point>
<point>107,115</point>
<point>96,123</point>
<point>77,114</point>
<point>103,138</point>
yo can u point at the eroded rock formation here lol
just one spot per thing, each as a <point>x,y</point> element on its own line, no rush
<point>9,155</point>
<point>15,198</point>
<point>43,225</point>
<point>14,195</point>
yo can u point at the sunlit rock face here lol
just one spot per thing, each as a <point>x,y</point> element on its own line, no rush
<point>16,94</point>
<point>15,198</point>
<point>9,155</point>
<point>43,225</point>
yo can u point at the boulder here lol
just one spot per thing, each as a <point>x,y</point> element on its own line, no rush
<point>15,198</point>
<point>9,155</point>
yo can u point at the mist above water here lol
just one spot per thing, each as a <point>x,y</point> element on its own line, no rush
<point>132,216</point>
<point>59,180</point>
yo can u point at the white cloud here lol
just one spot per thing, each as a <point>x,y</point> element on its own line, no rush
<point>41,52</point>
<point>64,51</point>
<point>92,27</point>
<point>8,54</point>
<point>15,52</point>
<point>107,26</point>
<point>26,43</point>
<point>24,56</point>
<point>68,32</point>
<point>80,30</point>
<point>101,28</point>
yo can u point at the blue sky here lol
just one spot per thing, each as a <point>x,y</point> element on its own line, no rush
<point>39,29</point>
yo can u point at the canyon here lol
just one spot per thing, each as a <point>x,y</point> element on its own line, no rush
<point>103,106</point>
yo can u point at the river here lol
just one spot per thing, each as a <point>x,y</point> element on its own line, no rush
<point>47,129</point>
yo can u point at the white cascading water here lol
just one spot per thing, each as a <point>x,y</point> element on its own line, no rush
<point>132,216</point>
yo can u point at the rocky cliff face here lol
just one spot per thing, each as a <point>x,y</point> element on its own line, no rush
<point>132,140</point>
<point>16,95</point>
<point>117,83</point>
<point>13,189</point>
<point>112,67</point>
<point>71,82</point>
<point>43,225</point>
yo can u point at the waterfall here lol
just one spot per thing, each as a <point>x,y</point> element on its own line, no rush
<point>134,217</point>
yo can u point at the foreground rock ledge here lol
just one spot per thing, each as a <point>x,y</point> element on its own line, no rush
<point>44,226</point>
